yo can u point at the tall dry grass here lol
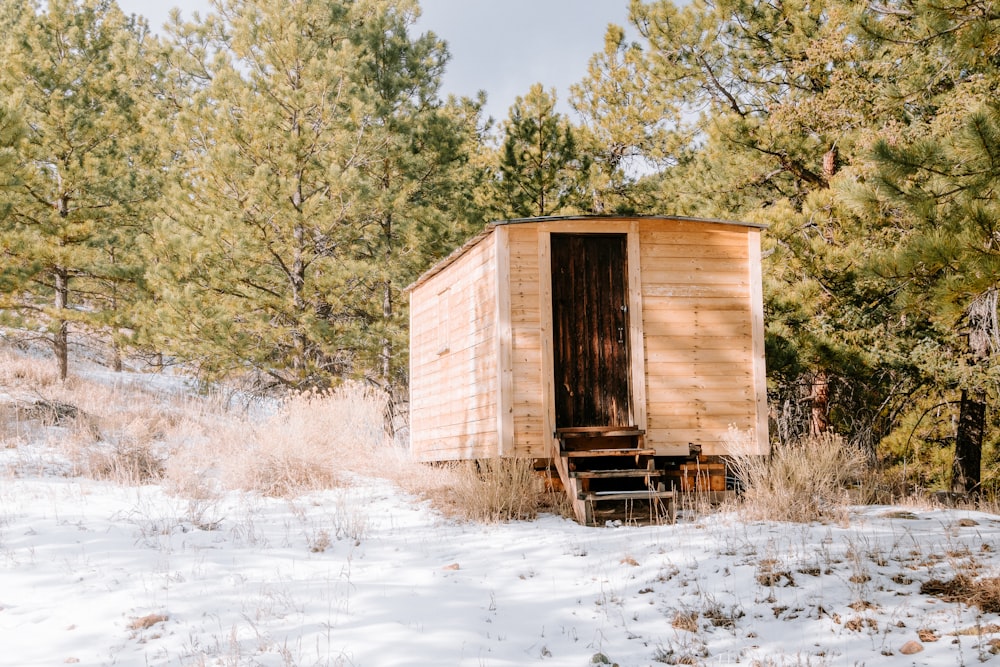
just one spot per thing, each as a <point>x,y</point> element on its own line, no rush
<point>199,446</point>
<point>498,490</point>
<point>314,440</point>
<point>810,480</point>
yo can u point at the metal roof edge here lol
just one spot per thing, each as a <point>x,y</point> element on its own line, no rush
<point>682,218</point>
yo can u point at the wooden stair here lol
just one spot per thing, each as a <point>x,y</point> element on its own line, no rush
<point>610,476</point>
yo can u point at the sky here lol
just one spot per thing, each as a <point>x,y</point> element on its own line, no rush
<point>500,47</point>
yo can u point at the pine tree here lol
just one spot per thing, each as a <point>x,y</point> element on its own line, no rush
<point>76,73</point>
<point>413,210</point>
<point>628,129</point>
<point>11,130</point>
<point>950,259</point>
<point>539,169</point>
<point>310,149</point>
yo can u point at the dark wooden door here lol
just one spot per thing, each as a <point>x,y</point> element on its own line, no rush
<point>590,330</point>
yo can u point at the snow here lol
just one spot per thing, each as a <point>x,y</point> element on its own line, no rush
<point>96,573</point>
<point>369,576</point>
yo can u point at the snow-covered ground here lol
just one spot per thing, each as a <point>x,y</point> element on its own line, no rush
<point>99,574</point>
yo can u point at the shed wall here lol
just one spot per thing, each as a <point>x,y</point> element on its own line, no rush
<point>453,359</point>
<point>697,315</point>
<point>528,402</point>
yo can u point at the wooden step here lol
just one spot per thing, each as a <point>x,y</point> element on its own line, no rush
<point>579,453</point>
<point>630,472</point>
<point>626,495</point>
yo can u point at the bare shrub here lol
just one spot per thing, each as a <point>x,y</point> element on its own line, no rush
<point>802,482</point>
<point>309,443</point>
<point>126,462</point>
<point>17,369</point>
<point>497,490</point>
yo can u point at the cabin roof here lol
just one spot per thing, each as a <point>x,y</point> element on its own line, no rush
<point>488,229</point>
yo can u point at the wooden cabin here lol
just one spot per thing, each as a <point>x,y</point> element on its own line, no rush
<point>620,351</point>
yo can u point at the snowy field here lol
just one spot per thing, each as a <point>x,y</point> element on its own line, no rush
<point>98,574</point>
<point>105,573</point>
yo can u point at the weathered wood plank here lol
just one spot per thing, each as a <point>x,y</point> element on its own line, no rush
<point>698,237</point>
<point>725,323</point>
<point>670,383</point>
<point>690,346</point>
<point>740,304</point>
<point>654,291</point>
<point>737,372</point>
<point>595,453</point>
<point>665,275</point>
<point>757,326</point>
<point>708,394</point>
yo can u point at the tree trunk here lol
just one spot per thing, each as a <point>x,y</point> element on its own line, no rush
<point>300,356</point>
<point>386,353</point>
<point>819,421</point>
<point>969,442</point>
<point>60,338</point>
<point>982,331</point>
<point>116,356</point>
<point>386,342</point>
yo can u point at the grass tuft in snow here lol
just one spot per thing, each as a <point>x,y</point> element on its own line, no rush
<point>801,482</point>
<point>497,490</point>
<point>967,589</point>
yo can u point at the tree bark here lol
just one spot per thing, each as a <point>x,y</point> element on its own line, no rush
<point>116,357</point>
<point>60,338</point>
<point>969,442</point>
<point>819,420</point>
<point>386,341</point>
<point>982,332</point>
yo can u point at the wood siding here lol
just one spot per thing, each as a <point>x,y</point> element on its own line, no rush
<point>525,313</point>
<point>701,373</point>
<point>482,321</point>
<point>454,370</point>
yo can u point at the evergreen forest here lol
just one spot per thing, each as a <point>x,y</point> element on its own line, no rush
<point>250,192</point>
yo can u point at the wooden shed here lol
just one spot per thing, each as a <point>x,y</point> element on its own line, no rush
<point>619,350</point>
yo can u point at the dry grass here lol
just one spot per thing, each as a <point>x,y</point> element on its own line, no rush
<point>147,621</point>
<point>685,620</point>
<point>802,482</point>
<point>129,463</point>
<point>312,441</point>
<point>200,446</point>
<point>497,490</point>
<point>19,369</point>
<point>964,588</point>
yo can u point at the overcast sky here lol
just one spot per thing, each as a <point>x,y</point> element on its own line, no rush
<point>501,47</point>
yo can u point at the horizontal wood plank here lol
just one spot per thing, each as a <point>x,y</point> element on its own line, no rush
<point>653,292</point>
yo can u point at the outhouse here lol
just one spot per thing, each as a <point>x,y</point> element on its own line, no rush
<point>624,352</point>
